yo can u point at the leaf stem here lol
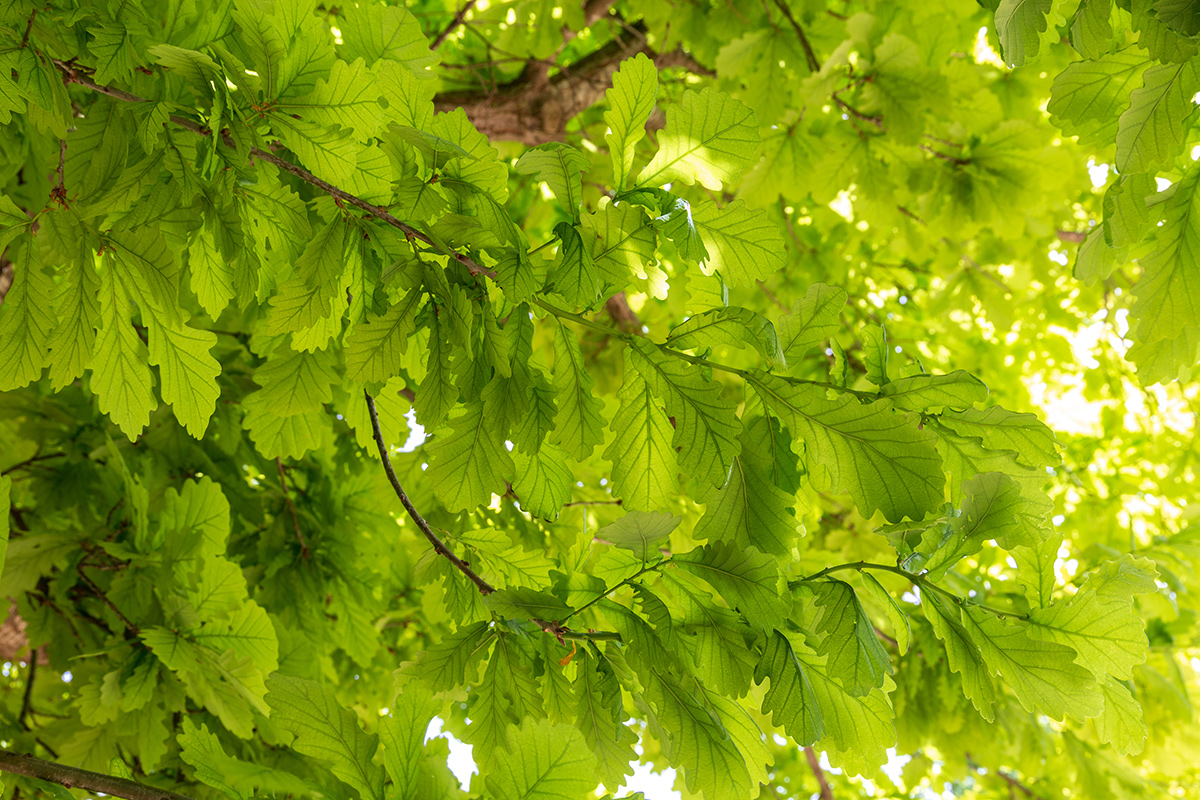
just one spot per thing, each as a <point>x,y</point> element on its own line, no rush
<point>626,582</point>
<point>438,545</point>
<point>919,581</point>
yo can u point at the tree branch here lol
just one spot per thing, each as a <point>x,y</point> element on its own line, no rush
<point>73,778</point>
<point>814,764</point>
<point>438,545</point>
<point>454,23</point>
<point>813,64</point>
<point>287,498</point>
<point>27,698</point>
<point>28,461</point>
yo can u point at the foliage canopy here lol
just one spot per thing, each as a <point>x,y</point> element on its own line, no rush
<point>771,391</point>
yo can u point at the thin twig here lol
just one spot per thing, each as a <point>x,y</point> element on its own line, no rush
<point>438,546</point>
<point>59,193</point>
<point>27,699</point>
<point>814,764</point>
<point>955,160</point>
<point>73,74</point>
<point>29,461</point>
<point>593,503</point>
<point>96,590</point>
<point>813,64</point>
<point>454,23</point>
<point>74,778</point>
<point>28,28</point>
<point>771,296</point>
<point>287,498</point>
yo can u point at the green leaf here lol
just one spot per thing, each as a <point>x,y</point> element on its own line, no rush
<point>859,728</point>
<point>1168,293</point>
<point>1087,97</point>
<point>958,389</point>
<point>375,349</point>
<point>732,326</point>
<point>698,742</point>
<point>187,370</point>
<point>643,473</point>
<point>709,138</point>
<point>451,662</point>
<point>561,167</point>
<point>749,510</point>
<point>526,604</point>
<point>402,734</point>
<point>295,382</point>
<point>791,700</point>
<point>875,354</point>
<point>743,244</point>
<point>541,761</point>
<point>883,458</point>
<point>706,426</point>
<point>1020,25</point>
<point>1043,676</point>
<point>1121,722</point>
<point>202,750</point>
<point>377,32</point>
<point>470,462</point>
<point>622,245</point>
<point>6,507</point>
<point>883,598</point>
<point>121,378</point>
<point>599,716</point>
<point>327,731</point>
<point>1152,130</point>
<point>543,481</point>
<point>643,533</point>
<point>813,319</point>
<point>962,654</point>
<point>1001,429</point>
<point>1092,33</point>
<point>348,98</point>
<point>748,580</point>
<point>574,274</point>
<point>26,320</point>
<point>854,653</point>
<point>630,101</point>
<point>578,426</point>
<point>990,511</point>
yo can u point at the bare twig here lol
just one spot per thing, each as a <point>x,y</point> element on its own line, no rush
<point>814,764</point>
<point>28,28</point>
<point>454,23</point>
<point>593,503</point>
<point>955,160</point>
<point>27,698</point>
<point>287,498</point>
<point>59,193</point>
<point>771,296</point>
<point>813,64</point>
<point>1075,237</point>
<point>100,594</point>
<point>29,461</point>
<point>73,778</point>
<point>438,545</point>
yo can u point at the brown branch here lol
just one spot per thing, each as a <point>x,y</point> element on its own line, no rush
<point>27,698</point>
<point>59,193</point>
<point>438,546</point>
<point>287,498</point>
<point>814,764</point>
<point>621,314</point>
<point>72,74</point>
<point>28,28</point>
<point>29,461</point>
<point>100,594</point>
<point>74,778</point>
<point>813,64</point>
<point>454,23</point>
<point>1075,237</point>
<point>955,160</point>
